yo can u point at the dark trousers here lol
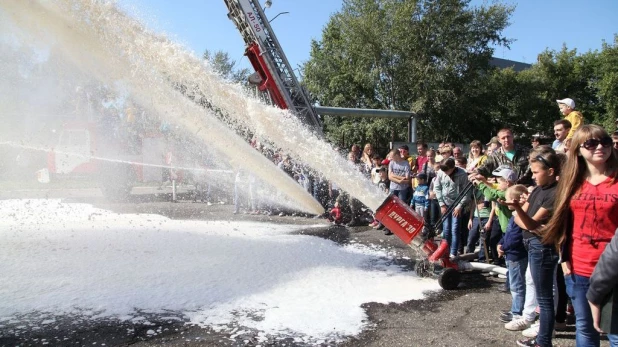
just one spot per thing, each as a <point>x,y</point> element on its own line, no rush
<point>562,296</point>
<point>463,231</point>
<point>494,238</point>
<point>474,235</point>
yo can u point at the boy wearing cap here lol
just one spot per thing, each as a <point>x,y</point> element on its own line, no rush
<point>506,177</point>
<point>567,108</point>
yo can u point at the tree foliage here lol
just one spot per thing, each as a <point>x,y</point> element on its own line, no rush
<point>224,65</point>
<point>433,57</point>
<point>426,56</point>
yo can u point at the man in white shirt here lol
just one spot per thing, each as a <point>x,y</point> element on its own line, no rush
<point>561,130</point>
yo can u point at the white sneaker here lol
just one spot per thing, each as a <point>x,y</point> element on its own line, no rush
<point>518,323</point>
<point>533,331</point>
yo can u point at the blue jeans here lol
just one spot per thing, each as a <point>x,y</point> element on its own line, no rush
<point>542,261</point>
<point>517,284</point>
<point>585,334</point>
<point>450,231</point>
<point>403,194</point>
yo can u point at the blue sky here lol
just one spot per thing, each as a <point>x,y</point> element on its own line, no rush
<point>536,25</point>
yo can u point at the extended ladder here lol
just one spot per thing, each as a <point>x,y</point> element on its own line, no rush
<point>273,72</point>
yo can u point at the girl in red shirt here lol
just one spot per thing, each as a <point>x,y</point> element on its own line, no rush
<point>585,219</point>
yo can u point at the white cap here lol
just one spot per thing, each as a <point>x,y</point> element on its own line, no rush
<point>568,101</point>
<point>505,172</point>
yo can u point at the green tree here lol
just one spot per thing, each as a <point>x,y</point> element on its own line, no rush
<point>607,84</point>
<point>224,65</point>
<point>427,56</point>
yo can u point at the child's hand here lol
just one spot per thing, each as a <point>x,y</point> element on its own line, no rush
<point>500,251</point>
<point>487,226</point>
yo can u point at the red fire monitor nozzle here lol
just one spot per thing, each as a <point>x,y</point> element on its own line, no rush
<point>408,225</point>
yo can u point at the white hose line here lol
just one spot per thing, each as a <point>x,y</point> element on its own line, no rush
<point>489,268</point>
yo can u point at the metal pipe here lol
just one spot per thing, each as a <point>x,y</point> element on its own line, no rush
<point>363,112</point>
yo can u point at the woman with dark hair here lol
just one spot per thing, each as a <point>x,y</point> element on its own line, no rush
<point>585,219</point>
<point>542,259</point>
<point>535,142</point>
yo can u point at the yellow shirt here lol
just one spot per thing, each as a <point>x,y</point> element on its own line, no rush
<point>576,119</point>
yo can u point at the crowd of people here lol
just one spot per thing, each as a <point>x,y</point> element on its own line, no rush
<point>545,212</point>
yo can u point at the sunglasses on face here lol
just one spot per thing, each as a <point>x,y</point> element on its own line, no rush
<point>592,144</point>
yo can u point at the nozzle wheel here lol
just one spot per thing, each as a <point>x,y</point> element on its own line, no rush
<point>449,279</point>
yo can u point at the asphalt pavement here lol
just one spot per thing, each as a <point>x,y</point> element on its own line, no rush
<point>467,316</point>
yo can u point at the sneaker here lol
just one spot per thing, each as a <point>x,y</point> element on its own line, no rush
<point>533,331</point>
<point>506,317</point>
<point>387,232</point>
<point>517,324</point>
<point>374,223</point>
<point>531,342</point>
<point>452,257</point>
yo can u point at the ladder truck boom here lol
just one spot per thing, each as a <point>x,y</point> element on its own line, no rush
<point>273,73</point>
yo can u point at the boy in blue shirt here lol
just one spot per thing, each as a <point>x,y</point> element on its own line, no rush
<point>420,198</point>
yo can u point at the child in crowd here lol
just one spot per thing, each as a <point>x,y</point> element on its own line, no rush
<point>434,206</point>
<point>375,174</point>
<point>334,215</point>
<point>479,224</point>
<point>383,185</point>
<point>512,246</point>
<point>505,177</point>
<point>420,198</point>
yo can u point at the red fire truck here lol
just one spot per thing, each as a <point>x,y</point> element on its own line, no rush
<point>118,155</point>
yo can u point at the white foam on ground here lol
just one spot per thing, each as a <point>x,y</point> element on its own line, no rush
<point>65,258</point>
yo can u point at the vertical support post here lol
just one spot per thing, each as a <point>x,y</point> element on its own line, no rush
<point>412,128</point>
<point>173,190</point>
